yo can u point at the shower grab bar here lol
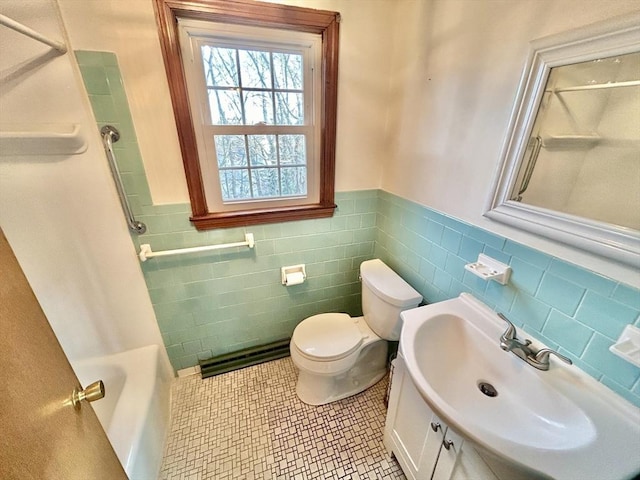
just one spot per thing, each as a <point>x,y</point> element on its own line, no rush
<point>145,249</point>
<point>109,136</point>
<point>29,32</point>
<point>531,164</point>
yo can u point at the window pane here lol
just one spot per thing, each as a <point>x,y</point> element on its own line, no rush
<point>289,108</point>
<point>287,71</point>
<point>230,150</point>
<point>255,69</point>
<point>294,181</point>
<point>292,149</point>
<point>220,68</point>
<point>258,107</point>
<point>262,150</point>
<point>235,184</point>
<point>225,107</point>
<point>265,182</point>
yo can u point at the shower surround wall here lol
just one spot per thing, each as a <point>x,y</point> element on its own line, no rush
<point>212,303</point>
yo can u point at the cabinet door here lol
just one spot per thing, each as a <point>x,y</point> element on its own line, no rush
<point>452,445</point>
<point>408,431</point>
<point>411,421</point>
<point>432,443</point>
<point>470,466</point>
<point>460,461</point>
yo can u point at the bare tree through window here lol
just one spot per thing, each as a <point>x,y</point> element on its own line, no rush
<point>257,87</point>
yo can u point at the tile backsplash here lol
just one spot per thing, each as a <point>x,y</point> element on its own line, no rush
<point>212,303</point>
<point>575,311</point>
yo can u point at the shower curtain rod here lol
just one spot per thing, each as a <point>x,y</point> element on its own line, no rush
<point>23,29</point>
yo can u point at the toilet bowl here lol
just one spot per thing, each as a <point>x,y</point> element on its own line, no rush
<point>339,356</point>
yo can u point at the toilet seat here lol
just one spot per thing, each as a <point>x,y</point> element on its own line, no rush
<point>327,337</point>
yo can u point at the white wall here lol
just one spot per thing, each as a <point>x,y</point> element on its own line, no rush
<point>457,65</point>
<point>60,213</point>
<point>129,30</point>
<point>426,89</point>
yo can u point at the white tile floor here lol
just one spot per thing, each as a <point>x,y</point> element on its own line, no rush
<point>250,425</point>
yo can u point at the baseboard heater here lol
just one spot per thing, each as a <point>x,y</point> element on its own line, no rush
<point>244,358</point>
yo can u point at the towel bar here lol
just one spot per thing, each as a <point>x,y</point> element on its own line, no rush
<point>145,249</point>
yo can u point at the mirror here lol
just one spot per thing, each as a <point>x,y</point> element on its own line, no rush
<point>571,162</point>
<point>582,155</point>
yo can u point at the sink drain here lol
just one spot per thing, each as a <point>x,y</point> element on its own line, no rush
<point>488,389</point>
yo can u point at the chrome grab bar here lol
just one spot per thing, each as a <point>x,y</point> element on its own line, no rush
<point>531,164</point>
<point>109,136</point>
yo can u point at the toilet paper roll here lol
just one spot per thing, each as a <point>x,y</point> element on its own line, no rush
<point>295,278</point>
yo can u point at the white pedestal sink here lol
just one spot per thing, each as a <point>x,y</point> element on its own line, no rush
<point>559,423</point>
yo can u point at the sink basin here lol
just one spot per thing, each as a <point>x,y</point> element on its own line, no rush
<point>556,424</point>
<point>542,417</point>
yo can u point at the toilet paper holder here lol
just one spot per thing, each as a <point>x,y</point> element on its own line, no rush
<point>291,274</point>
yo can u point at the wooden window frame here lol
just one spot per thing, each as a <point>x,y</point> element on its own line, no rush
<point>257,14</point>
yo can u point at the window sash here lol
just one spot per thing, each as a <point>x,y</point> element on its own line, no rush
<point>270,47</point>
<point>194,36</point>
<point>281,168</point>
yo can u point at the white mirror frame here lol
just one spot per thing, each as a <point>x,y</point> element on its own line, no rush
<point>613,37</point>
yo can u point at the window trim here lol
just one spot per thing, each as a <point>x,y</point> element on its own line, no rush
<point>257,14</point>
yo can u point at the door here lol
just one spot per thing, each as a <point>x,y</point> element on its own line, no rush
<point>42,436</point>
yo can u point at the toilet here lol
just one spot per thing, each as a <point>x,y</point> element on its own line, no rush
<point>337,355</point>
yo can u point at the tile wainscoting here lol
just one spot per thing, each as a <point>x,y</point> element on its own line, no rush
<point>213,303</point>
<point>572,310</point>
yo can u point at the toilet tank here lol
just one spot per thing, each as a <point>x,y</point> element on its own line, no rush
<point>384,295</point>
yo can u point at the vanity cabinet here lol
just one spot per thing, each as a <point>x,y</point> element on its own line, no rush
<point>425,447</point>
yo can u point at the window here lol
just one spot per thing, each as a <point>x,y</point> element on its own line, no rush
<point>254,92</point>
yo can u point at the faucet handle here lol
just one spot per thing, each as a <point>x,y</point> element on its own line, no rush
<point>510,332</point>
<point>542,356</point>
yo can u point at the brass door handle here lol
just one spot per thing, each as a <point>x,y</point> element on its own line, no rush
<point>93,392</point>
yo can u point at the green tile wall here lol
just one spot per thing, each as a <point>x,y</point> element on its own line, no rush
<point>571,309</point>
<point>213,303</point>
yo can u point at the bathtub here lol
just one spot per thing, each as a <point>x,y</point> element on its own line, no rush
<point>135,409</point>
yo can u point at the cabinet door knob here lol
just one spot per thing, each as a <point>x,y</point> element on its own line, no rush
<point>447,444</point>
<point>435,426</point>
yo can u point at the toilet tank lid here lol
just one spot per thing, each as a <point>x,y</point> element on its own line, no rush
<point>388,285</point>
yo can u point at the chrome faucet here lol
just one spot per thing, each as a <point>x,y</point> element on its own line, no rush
<point>509,342</point>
